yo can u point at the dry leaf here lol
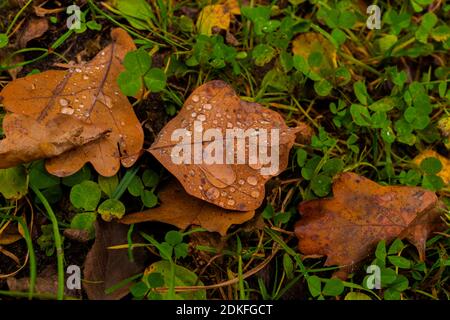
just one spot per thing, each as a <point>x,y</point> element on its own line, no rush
<point>445,172</point>
<point>312,42</point>
<point>104,268</point>
<point>348,226</point>
<point>231,185</point>
<point>217,15</point>
<point>181,210</point>
<point>35,28</point>
<point>46,283</point>
<point>73,116</point>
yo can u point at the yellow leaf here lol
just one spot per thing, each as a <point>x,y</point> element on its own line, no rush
<point>445,172</point>
<point>311,42</point>
<point>217,15</point>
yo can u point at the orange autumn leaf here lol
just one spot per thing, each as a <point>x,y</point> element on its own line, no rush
<point>237,184</point>
<point>73,116</point>
<point>361,213</point>
<point>182,210</point>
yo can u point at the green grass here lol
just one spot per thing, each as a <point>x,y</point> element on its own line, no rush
<point>375,99</point>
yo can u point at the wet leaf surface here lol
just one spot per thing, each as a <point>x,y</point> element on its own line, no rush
<point>236,184</point>
<point>73,116</point>
<point>348,226</point>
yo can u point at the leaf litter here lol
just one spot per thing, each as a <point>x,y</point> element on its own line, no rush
<point>73,117</point>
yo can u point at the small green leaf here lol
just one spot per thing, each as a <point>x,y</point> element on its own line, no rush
<point>360,115</point>
<point>40,178</point>
<point>357,296</point>
<point>321,185</point>
<point>262,54</point>
<point>181,250</point>
<point>84,221</point>
<point>183,277</point>
<point>93,25</point>
<point>129,84</point>
<point>111,209</point>
<point>314,285</point>
<point>323,87</point>
<point>108,184</point>
<point>150,178</point>
<point>149,199</point>
<point>85,195</point>
<point>361,92</point>
<point>173,237</point>
<point>155,80</point>
<point>400,262</point>
<point>288,266</point>
<point>380,252</point>
<point>136,187</point>
<point>431,165</point>
<point>333,287</point>
<point>13,182</point>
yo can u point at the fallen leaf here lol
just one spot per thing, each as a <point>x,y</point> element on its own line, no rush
<point>237,184</point>
<point>104,268</point>
<point>348,226</point>
<point>73,116</point>
<point>217,15</point>
<point>35,28</point>
<point>445,172</point>
<point>182,210</point>
<point>308,43</point>
<point>46,283</point>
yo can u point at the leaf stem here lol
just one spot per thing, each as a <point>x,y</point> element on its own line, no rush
<point>58,242</point>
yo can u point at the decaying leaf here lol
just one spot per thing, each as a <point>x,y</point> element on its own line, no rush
<point>73,116</point>
<point>348,226</point>
<point>182,210</point>
<point>106,267</point>
<point>46,283</point>
<point>34,28</point>
<point>217,15</point>
<point>309,43</point>
<point>445,172</point>
<point>212,112</point>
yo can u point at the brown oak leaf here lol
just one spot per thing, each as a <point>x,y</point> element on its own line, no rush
<point>218,167</point>
<point>73,116</point>
<point>182,210</point>
<point>361,213</point>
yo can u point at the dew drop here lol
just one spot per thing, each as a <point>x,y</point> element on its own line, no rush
<point>85,77</point>
<point>195,98</point>
<point>241,182</point>
<point>231,202</point>
<point>254,194</point>
<point>191,173</point>
<point>251,180</point>
<point>207,106</point>
<point>212,193</point>
<point>63,102</point>
<point>201,117</point>
<point>67,110</point>
<point>219,175</point>
<point>193,114</point>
